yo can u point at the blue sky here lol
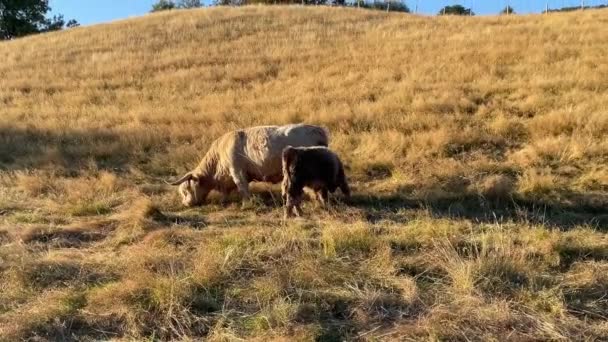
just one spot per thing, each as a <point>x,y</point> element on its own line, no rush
<point>98,11</point>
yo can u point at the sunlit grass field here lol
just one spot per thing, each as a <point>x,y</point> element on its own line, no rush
<point>475,146</point>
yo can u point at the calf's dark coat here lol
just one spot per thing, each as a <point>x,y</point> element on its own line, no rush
<point>315,167</point>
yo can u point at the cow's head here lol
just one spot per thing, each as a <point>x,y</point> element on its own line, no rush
<point>193,189</point>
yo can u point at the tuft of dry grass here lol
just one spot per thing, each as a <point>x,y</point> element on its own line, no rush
<point>497,187</point>
<point>477,163</point>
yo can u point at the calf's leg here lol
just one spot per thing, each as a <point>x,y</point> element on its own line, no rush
<point>287,211</point>
<point>323,196</point>
<point>293,205</point>
<point>298,210</point>
<point>291,208</point>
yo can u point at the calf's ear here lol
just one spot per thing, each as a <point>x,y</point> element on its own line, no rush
<point>289,153</point>
<point>287,149</point>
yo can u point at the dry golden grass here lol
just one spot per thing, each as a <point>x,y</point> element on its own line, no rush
<point>476,148</point>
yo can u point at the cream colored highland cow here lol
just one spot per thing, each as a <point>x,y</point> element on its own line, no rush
<point>242,156</point>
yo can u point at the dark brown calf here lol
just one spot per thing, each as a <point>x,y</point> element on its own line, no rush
<point>315,167</point>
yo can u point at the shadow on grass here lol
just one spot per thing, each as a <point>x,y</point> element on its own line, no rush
<point>591,210</point>
<point>571,253</point>
<point>579,210</point>
<point>588,301</point>
<point>22,148</point>
<point>190,219</point>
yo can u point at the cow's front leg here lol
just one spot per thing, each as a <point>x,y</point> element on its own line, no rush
<point>224,198</point>
<point>242,185</point>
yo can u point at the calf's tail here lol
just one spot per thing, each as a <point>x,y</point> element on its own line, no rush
<point>342,183</point>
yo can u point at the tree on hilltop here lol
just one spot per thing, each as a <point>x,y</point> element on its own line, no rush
<point>507,10</point>
<point>382,5</point>
<point>455,10</point>
<point>19,18</point>
<point>576,8</point>
<point>163,5</point>
<point>190,4</point>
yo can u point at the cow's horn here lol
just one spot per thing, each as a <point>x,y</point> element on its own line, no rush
<point>186,177</point>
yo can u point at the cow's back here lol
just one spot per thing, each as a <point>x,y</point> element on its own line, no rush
<point>303,135</point>
<point>263,147</point>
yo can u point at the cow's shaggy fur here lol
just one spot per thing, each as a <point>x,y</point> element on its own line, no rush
<point>317,168</point>
<point>239,157</point>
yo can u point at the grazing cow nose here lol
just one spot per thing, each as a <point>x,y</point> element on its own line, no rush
<point>188,202</point>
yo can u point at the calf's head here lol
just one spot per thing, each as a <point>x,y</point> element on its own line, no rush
<point>292,197</point>
<point>193,190</point>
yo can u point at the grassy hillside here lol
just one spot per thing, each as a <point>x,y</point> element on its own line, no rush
<point>476,148</point>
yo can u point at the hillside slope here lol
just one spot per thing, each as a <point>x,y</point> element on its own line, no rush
<point>476,147</point>
<point>438,103</point>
